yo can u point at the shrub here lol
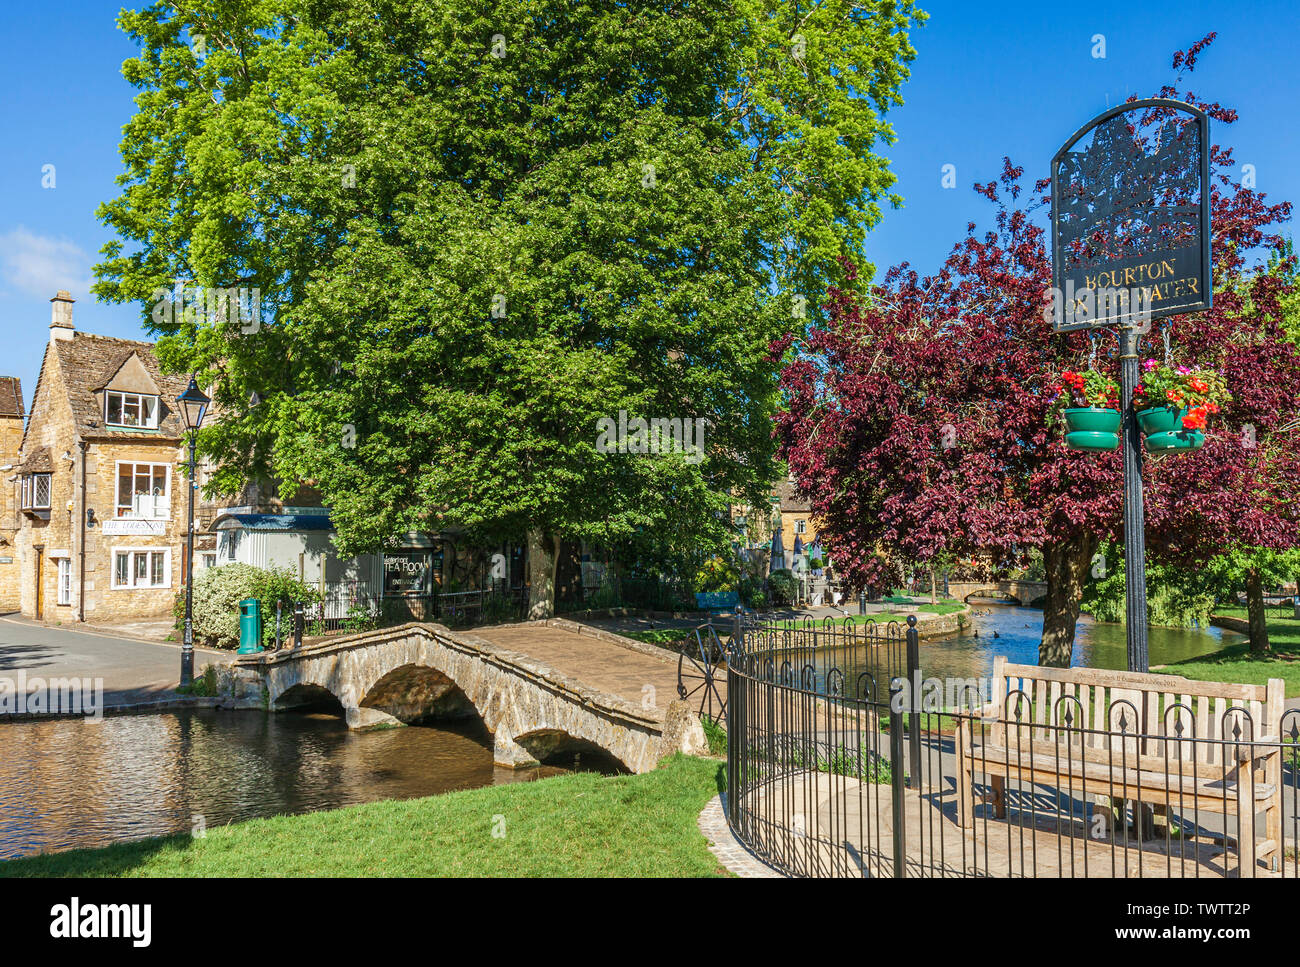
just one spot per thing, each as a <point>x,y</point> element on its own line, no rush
<point>218,591</point>
<point>280,585</point>
<point>783,586</point>
<point>716,574</point>
<point>752,594</point>
<point>605,596</point>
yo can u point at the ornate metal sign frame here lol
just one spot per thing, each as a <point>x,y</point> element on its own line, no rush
<point>1186,263</point>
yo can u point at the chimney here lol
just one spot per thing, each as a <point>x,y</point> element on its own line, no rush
<point>61,317</point>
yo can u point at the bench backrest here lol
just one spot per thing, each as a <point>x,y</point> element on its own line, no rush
<point>1114,711</point>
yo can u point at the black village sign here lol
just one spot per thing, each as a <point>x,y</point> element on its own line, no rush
<point>1131,217</point>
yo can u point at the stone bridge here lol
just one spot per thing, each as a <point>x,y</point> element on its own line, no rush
<point>1022,592</point>
<point>533,708</point>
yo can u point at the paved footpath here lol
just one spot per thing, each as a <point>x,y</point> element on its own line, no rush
<point>598,662</point>
<point>133,670</point>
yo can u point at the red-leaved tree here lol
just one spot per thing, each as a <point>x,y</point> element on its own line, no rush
<point>917,418</point>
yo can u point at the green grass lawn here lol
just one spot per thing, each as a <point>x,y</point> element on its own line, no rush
<point>1235,664</point>
<point>943,607</point>
<point>574,825</point>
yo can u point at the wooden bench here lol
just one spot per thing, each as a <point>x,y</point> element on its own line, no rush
<point>1100,733</point>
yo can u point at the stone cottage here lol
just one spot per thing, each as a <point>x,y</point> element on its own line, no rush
<point>99,485</point>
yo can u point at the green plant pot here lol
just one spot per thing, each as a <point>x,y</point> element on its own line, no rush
<point>1161,419</point>
<point>1093,419</point>
<point>1175,441</point>
<point>1093,440</point>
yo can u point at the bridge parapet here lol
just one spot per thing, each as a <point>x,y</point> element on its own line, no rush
<point>1022,592</point>
<point>395,675</point>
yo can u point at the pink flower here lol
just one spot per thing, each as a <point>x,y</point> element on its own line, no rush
<point>1183,370</point>
<point>1149,365</point>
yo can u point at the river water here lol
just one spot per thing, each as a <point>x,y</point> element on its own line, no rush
<point>68,783</point>
<point>1015,632</point>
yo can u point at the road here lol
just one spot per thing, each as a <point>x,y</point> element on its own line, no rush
<point>133,670</point>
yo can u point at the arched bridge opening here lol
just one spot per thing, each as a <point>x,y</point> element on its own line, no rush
<point>553,747</point>
<point>992,594</point>
<point>414,694</point>
<point>308,698</point>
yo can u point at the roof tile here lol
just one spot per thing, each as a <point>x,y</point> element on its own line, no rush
<point>89,361</point>
<point>11,397</point>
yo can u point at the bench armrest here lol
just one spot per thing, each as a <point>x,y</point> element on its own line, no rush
<point>1247,753</point>
<point>986,712</point>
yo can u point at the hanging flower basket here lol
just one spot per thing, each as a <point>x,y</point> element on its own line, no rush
<point>1089,404</point>
<point>1161,419</point>
<point>1095,419</point>
<point>1174,403</point>
<point>1168,440</point>
<point>1093,440</point>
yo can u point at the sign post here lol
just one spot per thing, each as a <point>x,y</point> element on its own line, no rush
<point>1131,243</point>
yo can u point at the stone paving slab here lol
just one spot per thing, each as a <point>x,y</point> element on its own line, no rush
<point>840,827</point>
<point>731,853</point>
<point>598,663</point>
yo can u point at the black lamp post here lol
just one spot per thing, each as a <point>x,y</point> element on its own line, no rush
<point>193,407</point>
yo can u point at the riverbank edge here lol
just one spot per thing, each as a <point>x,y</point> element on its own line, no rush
<point>643,825</point>
<point>1228,623</point>
<point>122,708</point>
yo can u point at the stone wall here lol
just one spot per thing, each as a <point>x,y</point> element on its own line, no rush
<point>11,440</point>
<point>55,433</point>
<point>103,601</point>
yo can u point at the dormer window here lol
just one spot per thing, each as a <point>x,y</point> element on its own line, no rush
<point>36,491</point>
<point>133,410</point>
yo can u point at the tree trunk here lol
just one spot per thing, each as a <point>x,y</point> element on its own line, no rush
<point>1255,613</point>
<point>1295,601</point>
<point>934,592</point>
<point>543,555</point>
<point>1067,564</point>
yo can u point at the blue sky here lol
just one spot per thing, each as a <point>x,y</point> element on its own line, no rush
<point>989,80</point>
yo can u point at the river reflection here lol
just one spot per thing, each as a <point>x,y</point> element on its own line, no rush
<point>993,629</point>
<point>68,783</point>
<point>1015,632</point>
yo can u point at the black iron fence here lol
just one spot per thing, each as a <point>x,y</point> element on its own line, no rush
<point>844,761</point>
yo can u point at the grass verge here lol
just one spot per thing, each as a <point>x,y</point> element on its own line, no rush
<point>1235,662</point>
<point>575,825</point>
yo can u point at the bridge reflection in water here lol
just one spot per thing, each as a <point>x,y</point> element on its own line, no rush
<point>67,783</point>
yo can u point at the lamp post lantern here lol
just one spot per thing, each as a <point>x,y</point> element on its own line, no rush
<point>193,408</point>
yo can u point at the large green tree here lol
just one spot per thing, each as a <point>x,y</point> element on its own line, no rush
<point>476,229</point>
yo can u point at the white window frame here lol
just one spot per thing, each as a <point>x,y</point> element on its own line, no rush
<point>165,496</point>
<point>133,554</point>
<point>65,580</point>
<point>29,491</point>
<point>801,527</point>
<point>227,542</point>
<point>136,400</point>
